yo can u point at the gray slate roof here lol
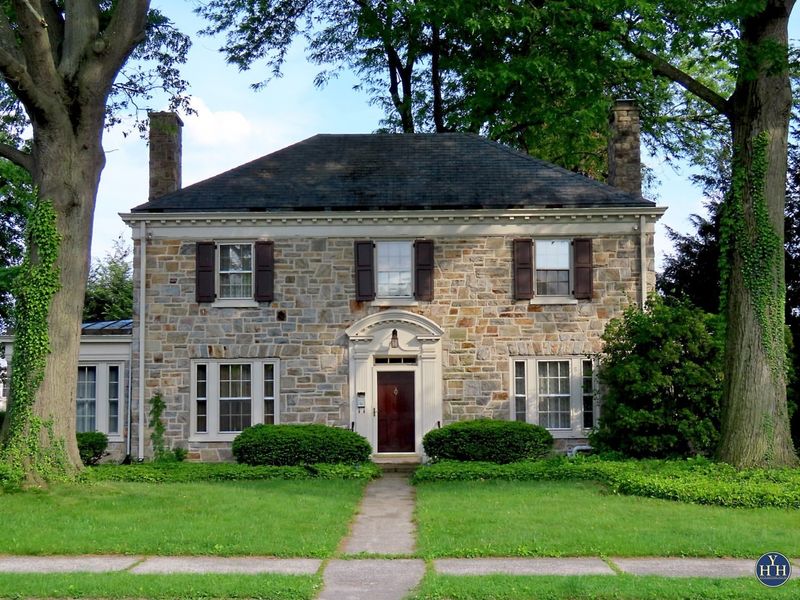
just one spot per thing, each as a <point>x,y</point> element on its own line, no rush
<point>393,171</point>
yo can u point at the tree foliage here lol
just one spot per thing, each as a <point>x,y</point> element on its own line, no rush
<point>661,370</point>
<point>109,290</point>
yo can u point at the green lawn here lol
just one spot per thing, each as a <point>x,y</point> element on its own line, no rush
<point>278,518</point>
<point>622,587</point>
<point>127,585</point>
<point>499,518</point>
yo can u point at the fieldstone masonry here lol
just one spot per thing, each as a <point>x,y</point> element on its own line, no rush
<point>314,304</point>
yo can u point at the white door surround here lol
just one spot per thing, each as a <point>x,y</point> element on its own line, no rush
<point>417,347</point>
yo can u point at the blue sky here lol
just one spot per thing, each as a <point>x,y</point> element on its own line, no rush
<point>235,124</point>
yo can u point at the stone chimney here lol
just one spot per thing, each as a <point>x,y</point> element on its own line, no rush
<point>624,158</point>
<point>165,153</point>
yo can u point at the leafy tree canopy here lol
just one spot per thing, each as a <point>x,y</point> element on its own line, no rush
<point>109,290</point>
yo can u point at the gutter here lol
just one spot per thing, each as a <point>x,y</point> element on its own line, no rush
<point>142,321</point>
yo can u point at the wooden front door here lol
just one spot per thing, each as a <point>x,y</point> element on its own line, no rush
<point>396,411</point>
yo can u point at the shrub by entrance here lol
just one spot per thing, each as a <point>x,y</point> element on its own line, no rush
<point>488,440</point>
<point>286,445</point>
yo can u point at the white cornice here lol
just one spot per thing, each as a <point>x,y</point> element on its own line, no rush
<point>544,221</point>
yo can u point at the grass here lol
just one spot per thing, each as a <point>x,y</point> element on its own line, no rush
<point>499,518</point>
<point>597,587</point>
<point>128,585</point>
<point>277,518</point>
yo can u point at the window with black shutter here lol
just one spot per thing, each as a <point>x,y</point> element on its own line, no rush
<point>523,269</point>
<point>205,278</point>
<point>365,274</point>
<point>582,252</point>
<point>264,271</point>
<point>423,270</point>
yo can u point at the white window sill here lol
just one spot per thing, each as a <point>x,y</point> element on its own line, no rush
<point>569,433</point>
<point>234,303</point>
<point>212,437</point>
<point>115,439</point>
<point>395,302</point>
<point>544,300</point>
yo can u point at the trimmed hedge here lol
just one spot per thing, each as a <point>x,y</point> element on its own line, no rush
<point>488,440</point>
<point>288,445</point>
<point>177,472</point>
<point>91,446</point>
<point>697,481</point>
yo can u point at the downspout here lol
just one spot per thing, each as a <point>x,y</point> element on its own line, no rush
<point>129,417</point>
<point>643,258</point>
<point>142,321</point>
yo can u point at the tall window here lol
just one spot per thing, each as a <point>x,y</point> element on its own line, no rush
<point>520,392</point>
<point>229,396</point>
<point>113,398</point>
<point>394,269</point>
<point>87,399</point>
<point>554,394</point>
<point>235,271</point>
<point>587,390</point>
<point>552,267</point>
<point>235,399</point>
<point>269,393</point>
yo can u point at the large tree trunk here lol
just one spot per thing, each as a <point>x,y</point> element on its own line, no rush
<point>67,167</point>
<point>755,423</point>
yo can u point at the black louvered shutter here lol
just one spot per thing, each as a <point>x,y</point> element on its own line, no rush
<point>365,276</point>
<point>523,269</point>
<point>423,270</point>
<point>265,271</point>
<point>582,252</point>
<point>204,272</point>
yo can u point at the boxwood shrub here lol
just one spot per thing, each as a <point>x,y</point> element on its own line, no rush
<point>299,445</point>
<point>488,440</point>
<point>91,446</point>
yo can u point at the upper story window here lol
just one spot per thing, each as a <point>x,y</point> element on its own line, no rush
<point>552,267</point>
<point>235,271</point>
<point>554,270</point>
<point>394,269</point>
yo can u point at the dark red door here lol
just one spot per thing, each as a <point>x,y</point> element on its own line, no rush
<point>396,411</point>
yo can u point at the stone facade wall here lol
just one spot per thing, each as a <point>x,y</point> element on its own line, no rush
<point>314,304</point>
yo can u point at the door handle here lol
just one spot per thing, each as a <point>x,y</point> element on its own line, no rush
<point>374,412</point>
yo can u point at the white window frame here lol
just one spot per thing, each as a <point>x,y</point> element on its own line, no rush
<point>212,433</point>
<point>218,272</point>
<point>101,406</point>
<point>385,243</point>
<point>576,428</point>
<point>570,269</point>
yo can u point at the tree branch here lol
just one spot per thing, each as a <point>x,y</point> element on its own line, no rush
<point>36,47</point>
<point>686,81</point>
<point>125,30</point>
<point>16,156</point>
<point>82,27</point>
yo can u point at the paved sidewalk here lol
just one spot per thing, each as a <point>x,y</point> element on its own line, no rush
<point>372,579</point>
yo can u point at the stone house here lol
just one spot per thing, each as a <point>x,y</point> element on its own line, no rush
<point>386,283</point>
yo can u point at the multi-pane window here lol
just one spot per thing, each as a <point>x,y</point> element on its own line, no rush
<point>87,399</point>
<point>554,394</point>
<point>520,392</point>
<point>235,399</point>
<point>587,391</point>
<point>229,396</point>
<point>113,398</point>
<point>394,272</point>
<point>552,267</point>
<point>99,398</point>
<point>235,271</point>
<point>269,393</point>
<point>201,398</point>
